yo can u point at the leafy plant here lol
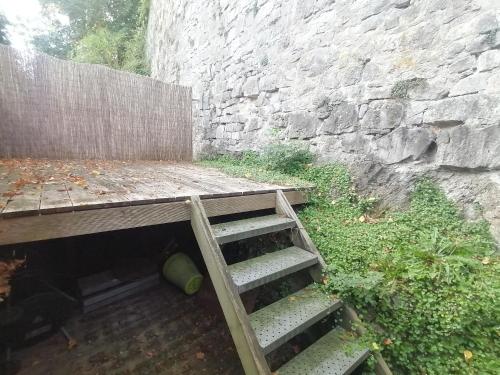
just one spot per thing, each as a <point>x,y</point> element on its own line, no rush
<point>107,32</point>
<point>101,47</point>
<point>287,158</point>
<point>4,39</point>
<point>425,281</point>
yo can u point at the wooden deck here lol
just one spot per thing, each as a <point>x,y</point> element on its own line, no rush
<point>43,199</point>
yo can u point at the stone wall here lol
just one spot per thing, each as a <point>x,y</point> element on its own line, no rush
<point>393,88</point>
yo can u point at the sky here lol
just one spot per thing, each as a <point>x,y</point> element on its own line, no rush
<point>26,20</point>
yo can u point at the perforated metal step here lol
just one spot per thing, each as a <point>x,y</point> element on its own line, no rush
<point>261,270</point>
<point>279,322</point>
<point>247,228</point>
<point>336,353</point>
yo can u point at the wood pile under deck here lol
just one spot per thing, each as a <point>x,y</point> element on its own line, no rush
<point>45,199</point>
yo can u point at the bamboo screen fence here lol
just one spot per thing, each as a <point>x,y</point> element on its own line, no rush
<point>51,108</point>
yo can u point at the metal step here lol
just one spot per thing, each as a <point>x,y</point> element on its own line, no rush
<point>279,322</point>
<point>336,353</point>
<point>247,228</point>
<point>261,270</point>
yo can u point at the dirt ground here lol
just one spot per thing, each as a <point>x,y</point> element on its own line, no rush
<point>159,332</point>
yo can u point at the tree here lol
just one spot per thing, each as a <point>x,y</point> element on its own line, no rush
<point>86,16</point>
<point>101,46</point>
<point>108,32</point>
<point>55,42</point>
<point>4,39</point>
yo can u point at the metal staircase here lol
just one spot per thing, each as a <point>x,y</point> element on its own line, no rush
<point>261,332</point>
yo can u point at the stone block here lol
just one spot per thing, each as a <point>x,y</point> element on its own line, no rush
<point>254,124</point>
<point>343,119</point>
<point>322,106</point>
<point>301,125</point>
<point>463,64</point>
<point>251,87</point>
<point>477,109</point>
<point>470,85</point>
<point>269,83</point>
<point>382,116</point>
<point>403,144</point>
<point>488,60</point>
<point>219,132</point>
<point>469,148</point>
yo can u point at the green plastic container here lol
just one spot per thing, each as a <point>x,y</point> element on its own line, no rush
<point>180,270</point>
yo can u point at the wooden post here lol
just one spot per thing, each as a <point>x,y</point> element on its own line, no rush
<point>249,351</point>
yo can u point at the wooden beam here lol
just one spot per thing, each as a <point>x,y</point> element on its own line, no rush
<point>300,237</point>
<point>59,225</point>
<point>249,351</point>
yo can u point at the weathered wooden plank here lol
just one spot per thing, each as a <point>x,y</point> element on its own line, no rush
<point>25,202</point>
<point>101,184</point>
<point>55,197</point>
<point>4,198</point>
<point>199,179</point>
<point>251,356</point>
<point>246,203</point>
<point>67,224</point>
<point>35,228</point>
<point>301,237</point>
<point>81,199</point>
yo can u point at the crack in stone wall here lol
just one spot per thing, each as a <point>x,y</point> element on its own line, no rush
<point>404,87</point>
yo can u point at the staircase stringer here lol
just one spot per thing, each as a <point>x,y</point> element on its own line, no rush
<point>300,237</point>
<point>249,351</point>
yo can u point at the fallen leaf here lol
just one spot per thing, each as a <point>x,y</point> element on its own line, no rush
<point>486,261</point>
<point>200,355</point>
<point>292,298</point>
<point>362,219</point>
<point>11,194</point>
<point>375,346</point>
<point>72,343</point>
<point>95,173</point>
<point>387,341</point>
<point>467,355</point>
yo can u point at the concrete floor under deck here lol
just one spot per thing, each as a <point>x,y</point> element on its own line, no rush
<point>161,331</point>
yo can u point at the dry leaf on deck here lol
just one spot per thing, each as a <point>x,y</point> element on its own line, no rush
<point>200,355</point>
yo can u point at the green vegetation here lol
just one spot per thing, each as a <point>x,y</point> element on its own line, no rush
<point>107,32</point>
<point>425,281</point>
<point>3,32</point>
<point>401,88</point>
